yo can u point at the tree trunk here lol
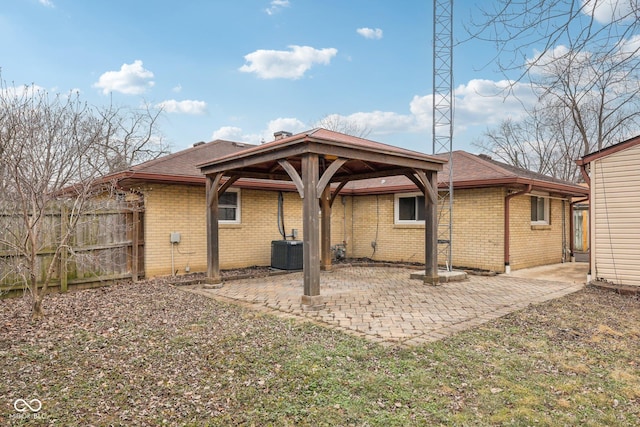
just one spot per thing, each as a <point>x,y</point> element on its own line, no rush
<point>36,310</point>
<point>37,296</point>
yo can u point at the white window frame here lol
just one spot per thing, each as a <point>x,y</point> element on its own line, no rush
<point>237,207</point>
<point>396,208</point>
<point>547,210</point>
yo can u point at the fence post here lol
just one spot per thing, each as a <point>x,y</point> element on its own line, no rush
<point>135,229</point>
<point>63,249</point>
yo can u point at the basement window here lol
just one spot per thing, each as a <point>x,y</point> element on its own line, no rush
<point>409,209</point>
<point>540,210</point>
<point>229,207</point>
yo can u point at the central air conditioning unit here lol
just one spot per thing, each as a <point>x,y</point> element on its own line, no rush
<point>286,254</point>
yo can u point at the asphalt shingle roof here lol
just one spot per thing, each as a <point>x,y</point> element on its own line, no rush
<point>470,170</point>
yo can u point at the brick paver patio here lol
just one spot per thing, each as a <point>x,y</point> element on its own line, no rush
<point>385,305</point>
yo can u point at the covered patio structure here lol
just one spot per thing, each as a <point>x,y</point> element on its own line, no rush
<point>320,163</point>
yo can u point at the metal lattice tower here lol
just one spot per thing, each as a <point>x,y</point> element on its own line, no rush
<point>443,116</point>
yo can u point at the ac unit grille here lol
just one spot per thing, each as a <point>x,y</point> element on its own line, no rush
<point>286,254</point>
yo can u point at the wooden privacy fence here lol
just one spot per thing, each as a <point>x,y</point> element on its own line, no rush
<point>107,244</point>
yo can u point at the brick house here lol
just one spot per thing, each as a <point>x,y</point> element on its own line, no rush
<point>503,217</point>
<point>614,203</point>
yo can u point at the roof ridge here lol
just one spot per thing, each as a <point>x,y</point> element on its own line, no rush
<point>491,163</point>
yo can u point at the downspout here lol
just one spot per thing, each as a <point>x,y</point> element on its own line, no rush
<point>507,199</point>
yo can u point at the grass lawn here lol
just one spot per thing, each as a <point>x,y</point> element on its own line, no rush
<point>151,354</point>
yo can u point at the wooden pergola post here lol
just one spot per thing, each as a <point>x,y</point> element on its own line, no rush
<point>325,208</point>
<point>213,251</point>
<point>310,224</point>
<point>431,229</point>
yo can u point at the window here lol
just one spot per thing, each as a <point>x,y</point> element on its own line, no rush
<point>539,210</point>
<point>229,207</point>
<point>409,208</point>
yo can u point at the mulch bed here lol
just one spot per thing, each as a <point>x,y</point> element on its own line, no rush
<point>263,271</point>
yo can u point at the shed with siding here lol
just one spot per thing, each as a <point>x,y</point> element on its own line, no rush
<point>614,179</point>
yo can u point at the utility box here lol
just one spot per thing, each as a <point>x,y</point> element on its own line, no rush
<point>174,237</point>
<point>286,254</point>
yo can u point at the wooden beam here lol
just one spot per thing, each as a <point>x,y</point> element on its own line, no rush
<point>253,159</point>
<point>293,174</point>
<point>337,190</point>
<point>367,165</point>
<point>431,231</point>
<point>213,248</point>
<point>418,182</point>
<point>328,174</point>
<point>228,183</point>
<point>429,190</point>
<point>310,224</point>
<point>325,236</point>
<point>387,158</point>
<point>377,174</point>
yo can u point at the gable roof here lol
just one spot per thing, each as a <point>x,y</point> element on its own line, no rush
<point>609,150</point>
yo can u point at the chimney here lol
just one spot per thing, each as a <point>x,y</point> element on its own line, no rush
<point>281,134</point>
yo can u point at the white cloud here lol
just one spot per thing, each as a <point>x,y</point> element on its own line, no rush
<point>132,79</point>
<point>369,33</point>
<point>288,124</point>
<point>273,64</point>
<point>187,106</point>
<point>276,5</point>
<point>177,89</point>
<point>233,133</point>
<point>229,133</point>
<point>47,3</point>
<point>22,91</point>
<point>488,102</point>
<point>478,103</point>
<point>378,122</point>
<point>608,11</point>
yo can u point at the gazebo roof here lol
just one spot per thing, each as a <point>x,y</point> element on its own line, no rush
<point>364,158</point>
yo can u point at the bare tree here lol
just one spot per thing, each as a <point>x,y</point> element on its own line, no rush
<point>538,143</point>
<point>586,101</point>
<point>338,123</point>
<point>54,152</point>
<point>516,27</point>
<point>586,72</point>
<point>127,137</point>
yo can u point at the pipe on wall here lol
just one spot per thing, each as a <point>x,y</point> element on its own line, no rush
<point>507,199</point>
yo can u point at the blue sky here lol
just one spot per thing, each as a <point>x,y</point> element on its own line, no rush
<point>243,69</point>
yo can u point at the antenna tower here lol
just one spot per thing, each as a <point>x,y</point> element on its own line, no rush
<point>443,117</point>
